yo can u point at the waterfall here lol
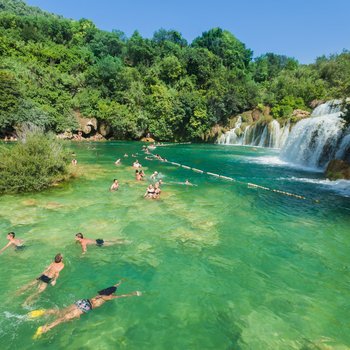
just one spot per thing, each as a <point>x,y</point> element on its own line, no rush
<point>259,134</point>
<point>314,141</point>
<point>230,137</point>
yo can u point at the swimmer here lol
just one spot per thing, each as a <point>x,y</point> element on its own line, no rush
<point>126,155</point>
<point>49,276</point>
<point>154,175</point>
<point>136,164</point>
<point>17,243</point>
<point>142,174</point>
<point>118,162</point>
<point>84,242</point>
<point>188,183</point>
<point>115,185</point>
<point>81,307</point>
<point>74,162</point>
<point>157,190</point>
<point>149,192</point>
<point>138,176</point>
<point>148,158</point>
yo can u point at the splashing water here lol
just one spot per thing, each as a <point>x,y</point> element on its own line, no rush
<point>314,141</point>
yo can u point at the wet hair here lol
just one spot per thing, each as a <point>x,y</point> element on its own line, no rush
<point>58,258</point>
<point>79,235</point>
<point>136,171</point>
<point>108,291</point>
<point>12,234</point>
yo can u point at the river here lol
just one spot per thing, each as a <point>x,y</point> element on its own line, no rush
<point>221,265</point>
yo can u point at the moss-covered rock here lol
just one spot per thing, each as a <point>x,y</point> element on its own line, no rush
<point>338,169</point>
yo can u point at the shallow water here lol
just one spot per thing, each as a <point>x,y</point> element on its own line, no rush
<point>221,265</point>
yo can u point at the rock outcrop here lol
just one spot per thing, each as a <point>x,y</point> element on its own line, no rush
<point>338,169</point>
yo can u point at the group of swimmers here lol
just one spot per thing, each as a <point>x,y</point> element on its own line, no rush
<point>49,277</point>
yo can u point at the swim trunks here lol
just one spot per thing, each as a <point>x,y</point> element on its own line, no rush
<point>83,305</point>
<point>99,242</point>
<point>44,278</point>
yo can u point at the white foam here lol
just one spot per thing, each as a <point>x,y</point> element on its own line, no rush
<point>276,161</point>
<point>340,186</point>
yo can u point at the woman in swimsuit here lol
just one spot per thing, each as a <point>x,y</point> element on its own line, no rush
<point>79,308</point>
<point>149,192</point>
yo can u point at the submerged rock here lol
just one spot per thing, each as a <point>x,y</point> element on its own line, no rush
<point>338,169</point>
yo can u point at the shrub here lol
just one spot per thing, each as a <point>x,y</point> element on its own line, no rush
<point>36,162</point>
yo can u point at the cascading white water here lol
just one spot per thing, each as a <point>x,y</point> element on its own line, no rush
<point>261,135</point>
<point>230,137</point>
<point>314,141</point>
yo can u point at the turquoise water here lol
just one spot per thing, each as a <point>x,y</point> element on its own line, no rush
<point>221,265</point>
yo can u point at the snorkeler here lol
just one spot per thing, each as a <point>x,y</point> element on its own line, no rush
<point>17,243</point>
<point>115,185</point>
<point>79,308</point>
<point>84,242</point>
<point>49,276</point>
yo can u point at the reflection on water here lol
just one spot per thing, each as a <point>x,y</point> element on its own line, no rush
<point>221,266</point>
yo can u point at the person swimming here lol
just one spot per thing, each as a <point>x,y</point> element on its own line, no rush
<point>17,243</point>
<point>115,185</point>
<point>149,192</point>
<point>154,175</point>
<point>84,242</point>
<point>80,307</point>
<point>118,162</point>
<point>49,276</point>
<point>136,164</point>
<point>138,176</point>
<point>157,190</point>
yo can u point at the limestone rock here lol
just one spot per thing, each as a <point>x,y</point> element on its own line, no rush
<point>86,125</point>
<point>338,169</point>
<point>299,113</point>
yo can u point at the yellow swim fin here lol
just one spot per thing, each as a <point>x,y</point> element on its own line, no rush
<point>38,333</point>
<point>36,313</point>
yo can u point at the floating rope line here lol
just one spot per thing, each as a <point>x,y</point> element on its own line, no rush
<point>249,184</point>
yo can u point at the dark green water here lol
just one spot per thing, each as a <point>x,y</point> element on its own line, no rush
<point>222,266</point>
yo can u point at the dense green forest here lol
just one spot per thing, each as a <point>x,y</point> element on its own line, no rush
<point>53,69</point>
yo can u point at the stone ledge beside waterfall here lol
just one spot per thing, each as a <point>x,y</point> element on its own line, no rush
<point>257,128</point>
<point>338,169</point>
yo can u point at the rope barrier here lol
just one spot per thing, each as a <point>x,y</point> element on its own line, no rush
<point>249,184</point>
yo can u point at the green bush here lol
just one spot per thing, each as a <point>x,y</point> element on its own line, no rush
<point>36,162</point>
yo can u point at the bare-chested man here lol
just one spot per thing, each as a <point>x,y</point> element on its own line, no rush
<point>17,243</point>
<point>84,242</point>
<point>80,308</point>
<point>49,276</point>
